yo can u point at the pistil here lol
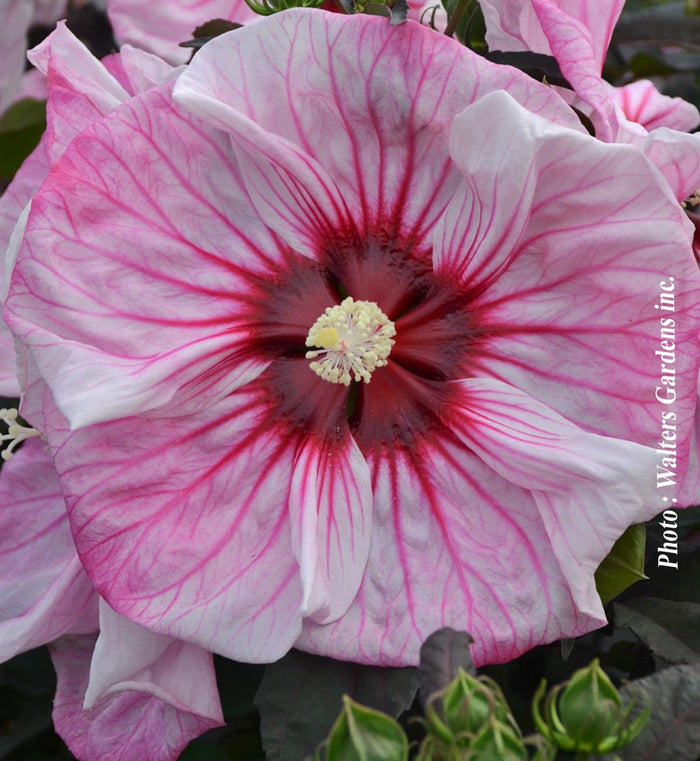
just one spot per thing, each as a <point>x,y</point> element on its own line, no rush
<point>354,338</point>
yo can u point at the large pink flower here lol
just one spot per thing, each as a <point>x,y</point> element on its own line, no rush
<point>370,191</point>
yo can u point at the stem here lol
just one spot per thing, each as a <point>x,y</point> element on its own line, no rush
<point>456,16</point>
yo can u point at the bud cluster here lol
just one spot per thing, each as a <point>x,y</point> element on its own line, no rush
<point>470,721</point>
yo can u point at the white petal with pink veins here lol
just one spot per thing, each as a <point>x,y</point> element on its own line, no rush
<point>587,488</point>
<point>137,352</point>
<point>9,386</point>
<point>186,531</point>
<point>80,88</point>
<point>453,544</point>
<point>641,102</point>
<point>339,90</point>
<point>124,725</point>
<point>586,253</point>
<point>129,657</point>
<point>330,510</point>
<point>519,25</point>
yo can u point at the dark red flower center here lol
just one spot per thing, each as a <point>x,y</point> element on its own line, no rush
<point>405,399</point>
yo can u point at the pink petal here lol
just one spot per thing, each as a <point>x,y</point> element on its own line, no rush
<point>128,725</point>
<point>547,304</point>
<point>185,530</point>
<point>519,25</point>
<point>189,205</point>
<point>330,509</point>
<point>588,489</point>
<point>160,27</point>
<point>129,657</point>
<point>15,18</point>
<point>459,541</point>
<point>641,102</point>
<point>80,88</point>
<point>81,91</point>
<point>383,123</point>
<point>44,591</point>
<point>9,386</point>
<point>575,32</point>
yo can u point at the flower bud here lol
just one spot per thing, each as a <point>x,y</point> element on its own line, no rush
<point>586,713</point>
<point>361,733</point>
<point>468,703</point>
<point>498,742</point>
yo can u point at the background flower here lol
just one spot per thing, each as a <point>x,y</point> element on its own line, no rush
<point>577,34</point>
<point>16,16</point>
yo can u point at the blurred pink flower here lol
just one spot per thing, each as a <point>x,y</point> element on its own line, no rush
<point>161,26</point>
<point>16,16</point>
<point>187,251</point>
<point>577,33</point>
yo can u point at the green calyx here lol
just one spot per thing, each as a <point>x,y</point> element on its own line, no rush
<point>268,7</point>
<point>586,714</point>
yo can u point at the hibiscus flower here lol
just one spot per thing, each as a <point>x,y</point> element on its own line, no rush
<point>348,338</point>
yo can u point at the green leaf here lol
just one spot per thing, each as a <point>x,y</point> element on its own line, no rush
<point>442,655</point>
<point>624,564</point>
<point>673,731</point>
<point>671,629</point>
<point>666,24</point>
<point>647,65</point>
<point>207,31</point>
<point>361,734</point>
<point>21,127</point>
<point>301,695</point>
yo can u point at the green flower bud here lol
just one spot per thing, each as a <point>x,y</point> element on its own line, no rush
<point>497,742</point>
<point>363,734</point>
<point>468,704</point>
<point>458,713</point>
<point>586,713</point>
